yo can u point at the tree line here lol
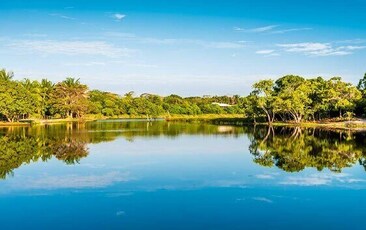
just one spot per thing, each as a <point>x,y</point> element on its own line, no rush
<point>289,98</point>
<point>294,98</point>
<point>71,99</point>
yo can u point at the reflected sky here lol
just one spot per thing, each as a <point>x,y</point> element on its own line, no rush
<point>193,176</point>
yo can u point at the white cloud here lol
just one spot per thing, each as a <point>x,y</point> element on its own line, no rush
<point>262,199</point>
<point>70,47</point>
<point>133,64</point>
<point>120,35</point>
<point>35,35</point>
<point>62,16</point>
<point>264,176</point>
<point>75,181</point>
<point>257,29</point>
<point>289,30</point>
<point>307,181</point>
<point>119,16</point>
<point>205,44</point>
<point>353,41</point>
<point>264,51</point>
<point>222,45</point>
<point>353,47</point>
<point>86,64</point>
<point>178,41</point>
<point>267,53</point>
<point>321,179</point>
<point>319,49</point>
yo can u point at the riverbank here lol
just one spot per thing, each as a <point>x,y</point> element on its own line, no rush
<point>7,124</point>
<point>218,119</point>
<point>356,125</point>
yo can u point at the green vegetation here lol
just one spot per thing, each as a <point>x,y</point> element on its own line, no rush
<point>71,99</point>
<point>288,99</point>
<point>293,98</point>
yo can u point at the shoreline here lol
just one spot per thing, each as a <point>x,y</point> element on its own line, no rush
<point>357,124</point>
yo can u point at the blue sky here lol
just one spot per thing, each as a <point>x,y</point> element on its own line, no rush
<point>184,47</point>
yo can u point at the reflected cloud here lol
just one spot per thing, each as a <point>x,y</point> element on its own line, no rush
<point>120,194</point>
<point>226,184</point>
<point>321,179</point>
<point>120,213</point>
<point>262,199</point>
<point>75,181</point>
<point>91,165</point>
<point>265,176</point>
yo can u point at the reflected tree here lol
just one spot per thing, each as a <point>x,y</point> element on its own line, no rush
<point>294,149</point>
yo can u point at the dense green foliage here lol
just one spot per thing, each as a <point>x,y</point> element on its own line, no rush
<point>289,98</point>
<point>72,99</point>
<point>293,98</point>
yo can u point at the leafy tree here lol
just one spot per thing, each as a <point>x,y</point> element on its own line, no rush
<point>69,98</point>
<point>293,96</point>
<point>16,102</point>
<point>266,99</point>
<point>6,76</point>
<point>341,95</point>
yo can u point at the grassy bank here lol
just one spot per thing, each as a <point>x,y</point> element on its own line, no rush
<point>219,119</point>
<point>205,118</point>
<point>215,118</point>
<point>356,124</point>
<point>6,124</point>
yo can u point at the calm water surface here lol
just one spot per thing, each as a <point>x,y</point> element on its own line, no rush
<point>159,175</point>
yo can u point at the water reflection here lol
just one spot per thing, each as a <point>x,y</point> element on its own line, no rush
<point>290,149</point>
<point>68,142</point>
<point>294,149</point>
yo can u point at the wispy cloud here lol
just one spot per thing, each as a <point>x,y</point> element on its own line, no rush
<point>352,41</point>
<point>205,44</point>
<point>62,16</point>
<point>289,30</point>
<point>178,41</point>
<point>257,29</point>
<point>319,49</point>
<point>118,16</point>
<point>76,181</point>
<point>265,51</point>
<point>47,47</point>
<point>35,35</point>
<point>321,179</point>
<point>265,176</point>
<point>120,35</point>
<point>271,29</point>
<point>262,199</point>
<point>132,64</point>
<point>86,64</point>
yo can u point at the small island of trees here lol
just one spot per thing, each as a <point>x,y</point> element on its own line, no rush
<point>288,99</point>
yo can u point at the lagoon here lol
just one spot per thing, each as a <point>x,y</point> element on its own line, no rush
<point>172,175</point>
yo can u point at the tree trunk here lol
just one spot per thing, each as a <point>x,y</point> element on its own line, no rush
<point>269,120</point>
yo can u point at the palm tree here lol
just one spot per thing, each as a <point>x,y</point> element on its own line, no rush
<point>6,76</point>
<point>70,97</point>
